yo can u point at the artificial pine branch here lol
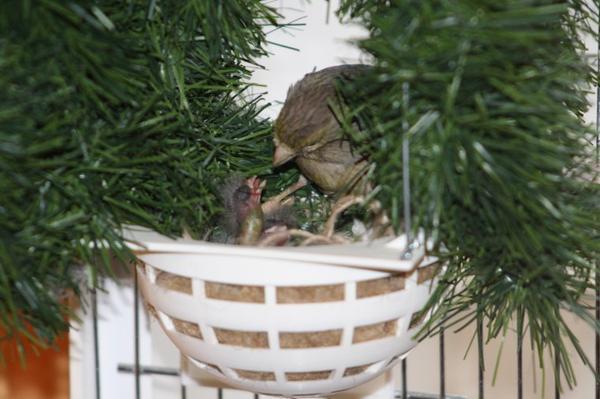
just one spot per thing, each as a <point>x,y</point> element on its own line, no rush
<point>500,153</point>
<point>115,113</point>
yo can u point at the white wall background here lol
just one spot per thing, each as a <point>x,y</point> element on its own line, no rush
<point>320,44</point>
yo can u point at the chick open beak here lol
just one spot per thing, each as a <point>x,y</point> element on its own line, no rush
<point>282,155</point>
<point>256,185</point>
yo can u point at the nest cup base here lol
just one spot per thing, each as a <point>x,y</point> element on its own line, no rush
<point>283,327</point>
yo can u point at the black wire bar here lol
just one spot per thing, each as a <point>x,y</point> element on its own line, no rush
<point>597,278</point>
<point>419,395</point>
<point>96,343</point>
<point>136,329</point>
<point>519,357</point>
<point>557,376</point>
<point>442,365</point>
<point>406,198</point>
<point>480,361</point>
<point>406,172</point>
<point>148,370</point>
<point>597,336</point>
<point>403,367</point>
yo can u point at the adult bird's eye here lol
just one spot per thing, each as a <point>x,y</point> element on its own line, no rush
<point>242,194</point>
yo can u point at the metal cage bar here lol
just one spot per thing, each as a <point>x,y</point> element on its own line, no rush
<point>96,343</point>
<point>557,376</point>
<point>597,278</point>
<point>406,199</point>
<point>136,329</point>
<point>480,360</point>
<point>403,367</point>
<point>520,356</point>
<point>406,167</point>
<point>442,365</point>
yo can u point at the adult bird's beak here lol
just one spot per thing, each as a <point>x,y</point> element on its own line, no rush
<point>282,155</point>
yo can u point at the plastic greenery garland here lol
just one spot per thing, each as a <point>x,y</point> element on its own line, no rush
<point>116,114</point>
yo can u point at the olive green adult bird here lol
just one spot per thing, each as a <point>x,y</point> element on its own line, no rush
<point>307,132</point>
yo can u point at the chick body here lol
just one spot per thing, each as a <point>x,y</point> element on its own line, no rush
<point>243,216</point>
<point>246,220</point>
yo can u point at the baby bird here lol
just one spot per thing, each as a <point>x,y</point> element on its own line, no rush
<point>244,218</point>
<point>307,132</point>
<point>251,222</point>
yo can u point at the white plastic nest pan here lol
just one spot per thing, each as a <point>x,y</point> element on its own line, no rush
<point>294,322</point>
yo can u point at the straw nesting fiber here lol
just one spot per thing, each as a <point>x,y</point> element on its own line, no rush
<point>174,282</point>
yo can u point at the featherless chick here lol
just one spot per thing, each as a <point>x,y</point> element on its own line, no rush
<point>248,221</point>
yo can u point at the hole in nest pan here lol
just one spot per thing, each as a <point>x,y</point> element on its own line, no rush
<point>351,371</point>
<point>164,320</point>
<point>392,360</point>
<point>311,294</point>
<point>255,375</point>
<point>310,339</point>
<point>375,331</point>
<point>205,366</point>
<point>416,319</point>
<point>235,293</point>
<point>380,286</point>
<point>427,273</point>
<point>248,339</point>
<point>174,282</point>
<point>309,375</point>
<point>187,328</point>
